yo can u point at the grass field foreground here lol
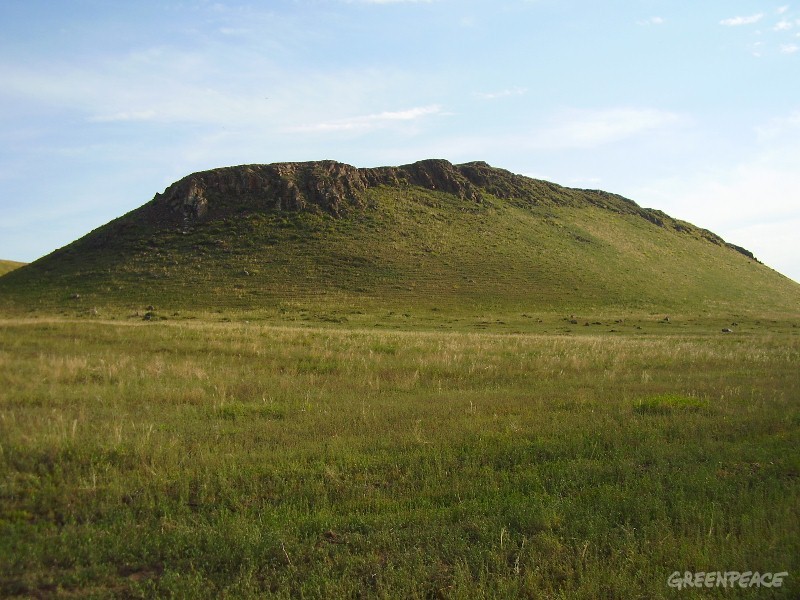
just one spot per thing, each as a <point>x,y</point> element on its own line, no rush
<point>242,460</point>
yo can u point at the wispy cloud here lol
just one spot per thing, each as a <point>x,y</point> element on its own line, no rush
<point>652,21</point>
<point>389,1</point>
<point>111,94</point>
<point>736,21</point>
<point>141,115</point>
<point>373,121</point>
<point>789,48</point>
<point>723,201</point>
<point>751,202</point>
<point>783,25</point>
<point>171,87</point>
<point>782,9</point>
<point>757,49</point>
<point>517,91</point>
<point>783,130</point>
<point>593,128</point>
<point>234,31</point>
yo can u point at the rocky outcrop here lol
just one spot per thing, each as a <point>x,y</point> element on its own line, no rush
<point>330,186</point>
<point>439,175</point>
<point>337,189</point>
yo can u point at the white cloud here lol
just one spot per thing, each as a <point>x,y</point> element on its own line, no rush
<point>593,128</point>
<point>772,243</point>
<point>234,31</point>
<point>783,25</point>
<point>652,21</point>
<point>140,115</point>
<point>753,203</point>
<point>502,93</point>
<point>782,9</point>
<point>778,127</point>
<point>169,87</point>
<point>736,21</point>
<point>154,85</point>
<point>789,48</point>
<point>750,205</point>
<point>756,49</point>
<point>372,121</point>
<point>389,1</point>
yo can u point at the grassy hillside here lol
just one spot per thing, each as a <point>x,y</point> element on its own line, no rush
<point>9,265</point>
<point>405,249</point>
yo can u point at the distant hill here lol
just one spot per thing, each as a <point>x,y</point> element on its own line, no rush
<point>448,237</point>
<point>9,265</point>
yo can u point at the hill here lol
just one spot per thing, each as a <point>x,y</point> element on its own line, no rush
<point>9,265</point>
<point>452,238</point>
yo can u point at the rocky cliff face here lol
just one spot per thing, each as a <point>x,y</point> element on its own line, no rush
<point>327,185</point>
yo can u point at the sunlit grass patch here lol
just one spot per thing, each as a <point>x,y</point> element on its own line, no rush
<point>235,411</point>
<point>662,404</point>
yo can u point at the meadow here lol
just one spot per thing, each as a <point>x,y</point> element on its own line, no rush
<point>537,458</point>
<point>6,266</point>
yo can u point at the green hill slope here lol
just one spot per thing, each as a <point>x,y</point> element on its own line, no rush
<point>433,235</point>
<point>7,266</point>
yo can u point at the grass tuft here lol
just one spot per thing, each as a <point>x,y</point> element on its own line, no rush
<point>667,403</point>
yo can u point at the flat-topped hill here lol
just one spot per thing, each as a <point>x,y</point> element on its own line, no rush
<point>433,234</point>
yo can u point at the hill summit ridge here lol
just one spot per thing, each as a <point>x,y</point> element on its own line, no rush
<point>337,188</point>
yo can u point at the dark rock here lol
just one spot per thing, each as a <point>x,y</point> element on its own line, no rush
<point>330,186</point>
<point>744,251</point>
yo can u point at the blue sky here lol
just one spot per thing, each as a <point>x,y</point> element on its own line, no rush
<point>691,108</point>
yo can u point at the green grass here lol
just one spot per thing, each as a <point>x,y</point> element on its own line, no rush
<point>669,403</point>
<point>198,458</point>
<point>6,266</point>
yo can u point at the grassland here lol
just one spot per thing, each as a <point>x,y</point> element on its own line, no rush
<point>310,458</point>
<point>6,266</point>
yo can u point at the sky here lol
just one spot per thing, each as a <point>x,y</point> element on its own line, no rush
<point>692,108</point>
